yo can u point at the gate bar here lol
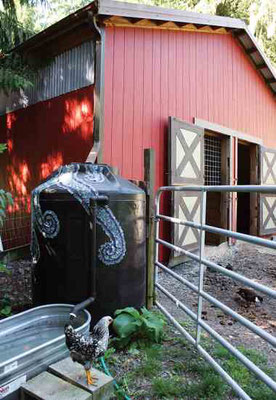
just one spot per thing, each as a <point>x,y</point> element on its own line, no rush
<point>224,271</point>
<point>248,324</point>
<point>203,199</point>
<point>204,354</point>
<point>249,364</point>
<point>218,188</point>
<point>241,236</point>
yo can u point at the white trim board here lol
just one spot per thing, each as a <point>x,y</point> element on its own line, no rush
<point>226,131</point>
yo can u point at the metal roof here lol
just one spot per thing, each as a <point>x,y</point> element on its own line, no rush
<point>105,9</point>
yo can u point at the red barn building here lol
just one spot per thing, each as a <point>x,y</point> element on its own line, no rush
<point>116,73</point>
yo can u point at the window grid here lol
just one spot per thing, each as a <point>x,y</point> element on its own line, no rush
<point>212,153</point>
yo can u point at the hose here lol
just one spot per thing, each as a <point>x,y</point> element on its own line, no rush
<point>106,370</point>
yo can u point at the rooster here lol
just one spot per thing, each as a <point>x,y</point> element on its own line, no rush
<point>86,349</point>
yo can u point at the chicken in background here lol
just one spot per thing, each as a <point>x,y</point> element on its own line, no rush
<point>249,295</point>
<point>86,349</point>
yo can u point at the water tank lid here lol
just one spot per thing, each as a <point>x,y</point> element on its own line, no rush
<point>89,178</point>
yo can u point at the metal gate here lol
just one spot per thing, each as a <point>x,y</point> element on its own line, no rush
<point>201,228</point>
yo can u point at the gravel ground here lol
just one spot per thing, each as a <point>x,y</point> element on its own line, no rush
<point>254,262</point>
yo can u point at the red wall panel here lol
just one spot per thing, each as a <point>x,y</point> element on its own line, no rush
<point>41,138</point>
<point>151,74</point>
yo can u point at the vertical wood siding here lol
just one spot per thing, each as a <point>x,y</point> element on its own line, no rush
<point>151,74</point>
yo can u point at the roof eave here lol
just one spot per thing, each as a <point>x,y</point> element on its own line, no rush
<point>133,10</point>
<point>61,26</point>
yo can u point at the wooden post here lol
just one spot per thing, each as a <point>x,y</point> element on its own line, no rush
<point>149,178</point>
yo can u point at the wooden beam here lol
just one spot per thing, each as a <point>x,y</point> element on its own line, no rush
<point>124,9</point>
<point>270,80</point>
<point>251,50</point>
<point>226,131</point>
<point>239,32</point>
<point>149,178</point>
<point>261,66</point>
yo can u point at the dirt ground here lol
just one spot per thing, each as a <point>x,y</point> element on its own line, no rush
<point>254,262</point>
<point>16,284</point>
<point>175,362</point>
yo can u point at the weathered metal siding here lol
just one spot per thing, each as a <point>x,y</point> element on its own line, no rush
<point>68,71</point>
<point>40,138</point>
<point>151,74</point>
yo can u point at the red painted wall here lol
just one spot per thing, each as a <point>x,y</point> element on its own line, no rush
<point>153,74</point>
<point>40,138</point>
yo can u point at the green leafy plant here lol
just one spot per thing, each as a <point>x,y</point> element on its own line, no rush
<point>5,197</point>
<point>131,325</point>
<point>5,306</point>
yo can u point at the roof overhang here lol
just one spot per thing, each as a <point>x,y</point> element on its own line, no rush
<point>237,27</point>
<point>161,17</point>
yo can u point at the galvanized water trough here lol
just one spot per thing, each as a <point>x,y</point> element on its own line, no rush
<point>31,341</point>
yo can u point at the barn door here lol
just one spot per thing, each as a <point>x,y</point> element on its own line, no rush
<point>186,168</point>
<point>267,206</point>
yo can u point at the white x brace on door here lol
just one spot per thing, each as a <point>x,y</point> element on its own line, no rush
<point>186,168</point>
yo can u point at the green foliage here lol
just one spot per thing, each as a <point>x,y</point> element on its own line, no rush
<point>150,364</point>
<point>5,197</point>
<point>3,147</point>
<point>5,200</point>
<point>16,25</point>
<point>130,325</point>
<point>169,387</point>
<point>5,306</point>
<point>4,269</point>
<point>209,385</point>
<point>235,9</point>
<point>15,73</point>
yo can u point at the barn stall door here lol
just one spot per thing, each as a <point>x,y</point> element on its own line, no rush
<point>267,205</point>
<point>186,168</point>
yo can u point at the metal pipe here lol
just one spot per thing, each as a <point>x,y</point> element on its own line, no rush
<point>95,153</point>
<point>223,270</point>
<point>156,247</point>
<point>225,232</point>
<point>243,395</point>
<point>93,222</point>
<point>249,364</point>
<point>230,194</point>
<point>219,188</point>
<point>80,306</point>
<point>175,323</point>
<point>204,353</point>
<point>201,266</point>
<point>248,324</point>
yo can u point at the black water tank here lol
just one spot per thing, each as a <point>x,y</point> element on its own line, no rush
<point>62,239</point>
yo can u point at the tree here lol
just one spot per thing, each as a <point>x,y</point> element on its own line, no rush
<point>16,25</point>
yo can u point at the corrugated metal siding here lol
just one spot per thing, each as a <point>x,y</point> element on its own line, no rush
<point>151,74</point>
<point>68,71</point>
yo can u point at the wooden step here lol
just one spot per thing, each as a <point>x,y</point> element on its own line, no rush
<point>74,373</point>
<point>46,386</point>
